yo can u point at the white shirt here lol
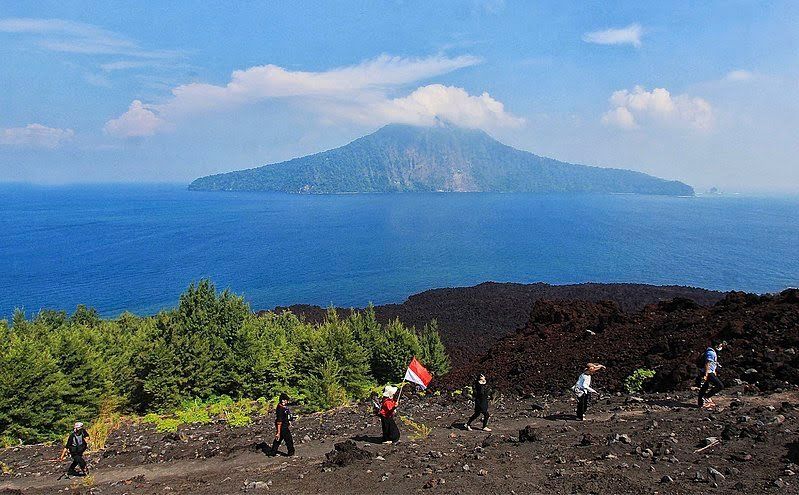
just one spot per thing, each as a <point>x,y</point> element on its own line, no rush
<point>583,385</point>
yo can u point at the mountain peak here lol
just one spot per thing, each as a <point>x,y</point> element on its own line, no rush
<point>442,157</point>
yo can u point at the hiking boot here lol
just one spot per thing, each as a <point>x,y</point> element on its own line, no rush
<point>387,442</point>
<point>468,427</point>
<point>486,428</point>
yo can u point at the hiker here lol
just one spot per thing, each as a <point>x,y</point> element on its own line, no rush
<point>76,446</point>
<point>283,419</point>
<point>583,389</point>
<point>388,408</point>
<point>481,395</point>
<point>711,385</point>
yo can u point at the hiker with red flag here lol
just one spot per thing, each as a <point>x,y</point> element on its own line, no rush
<point>387,411</point>
<point>416,373</point>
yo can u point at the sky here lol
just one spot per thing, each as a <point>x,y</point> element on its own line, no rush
<point>703,92</point>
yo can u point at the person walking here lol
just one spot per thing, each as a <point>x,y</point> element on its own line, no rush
<point>481,394</point>
<point>76,445</point>
<point>583,389</point>
<point>711,385</point>
<point>283,419</point>
<point>387,411</point>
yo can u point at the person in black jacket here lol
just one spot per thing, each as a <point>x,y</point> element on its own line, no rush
<point>283,420</point>
<point>76,446</point>
<point>481,395</point>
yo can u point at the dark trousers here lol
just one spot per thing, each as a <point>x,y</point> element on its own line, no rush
<point>582,404</point>
<point>478,410</point>
<point>285,436</point>
<point>77,461</point>
<point>390,429</point>
<point>711,387</point>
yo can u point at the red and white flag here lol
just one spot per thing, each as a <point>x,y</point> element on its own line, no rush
<point>418,374</point>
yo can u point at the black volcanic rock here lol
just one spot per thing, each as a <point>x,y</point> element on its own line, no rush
<point>549,352</point>
<point>403,158</point>
<point>472,319</point>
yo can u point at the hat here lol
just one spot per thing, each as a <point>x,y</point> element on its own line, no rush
<point>389,391</point>
<point>284,396</point>
<point>594,367</point>
<point>78,425</point>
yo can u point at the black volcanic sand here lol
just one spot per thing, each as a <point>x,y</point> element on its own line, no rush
<point>646,444</point>
<point>483,314</point>
<point>549,352</point>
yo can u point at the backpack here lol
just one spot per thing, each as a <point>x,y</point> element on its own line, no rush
<point>78,445</point>
<point>701,359</point>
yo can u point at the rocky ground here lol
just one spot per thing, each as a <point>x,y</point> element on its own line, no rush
<point>550,350</point>
<point>651,443</point>
<point>655,443</point>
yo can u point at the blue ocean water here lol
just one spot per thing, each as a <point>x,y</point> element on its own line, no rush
<point>136,248</point>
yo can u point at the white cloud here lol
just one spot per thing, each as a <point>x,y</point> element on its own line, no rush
<point>138,121</point>
<point>630,35</point>
<point>35,136</point>
<point>633,108</point>
<point>427,104</point>
<point>359,92</point>
<point>620,117</point>
<point>271,81</point>
<point>76,37</point>
<point>739,75</point>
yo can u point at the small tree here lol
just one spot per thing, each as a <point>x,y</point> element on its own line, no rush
<point>323,388</point>
<point>394,349</point>
<point>334,340</point>
<point>31,391</point>
<point>636,381</point>
<point>433,353</point>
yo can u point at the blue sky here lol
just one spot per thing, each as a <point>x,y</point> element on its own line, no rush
<point>705,92</point>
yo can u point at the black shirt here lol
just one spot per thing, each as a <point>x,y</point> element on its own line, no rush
<point>481,393</point>
<point>76,443</point>
<point>282,415</point>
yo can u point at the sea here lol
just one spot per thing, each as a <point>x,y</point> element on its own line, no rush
<point>137,247</point>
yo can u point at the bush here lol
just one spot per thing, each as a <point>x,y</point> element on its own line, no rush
<point>433,353</point>
<point>636,381</point>
<point>323,388</point>
<point>392,350</point>
<point>32,391</point>
<point>206,358</point>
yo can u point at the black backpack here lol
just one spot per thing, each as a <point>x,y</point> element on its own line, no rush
<point>78,442</point>
<point>701,360</point>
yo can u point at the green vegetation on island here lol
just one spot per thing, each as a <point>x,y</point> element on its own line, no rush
<point>404,158</point>
<point>209,355</point>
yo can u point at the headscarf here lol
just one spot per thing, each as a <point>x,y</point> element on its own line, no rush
<point>389,391</point>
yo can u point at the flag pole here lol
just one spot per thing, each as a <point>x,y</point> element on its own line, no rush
<point>400,392</point>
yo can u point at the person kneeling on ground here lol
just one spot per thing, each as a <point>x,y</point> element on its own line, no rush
<point>709,377</point>
<point>283,418</point>
<point>481,395</point>
<point>388,409</point>
<point>76,446</point>
<point>583,389</point>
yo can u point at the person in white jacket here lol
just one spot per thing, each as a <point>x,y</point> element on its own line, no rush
<point>583,388</point>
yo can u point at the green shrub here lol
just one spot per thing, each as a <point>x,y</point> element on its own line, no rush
<point>32,391</point>
<point>635,382</point>
<point>323,388</point>
<point>193,412</point>
<point>433,353</point>
<point>206,358</point>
